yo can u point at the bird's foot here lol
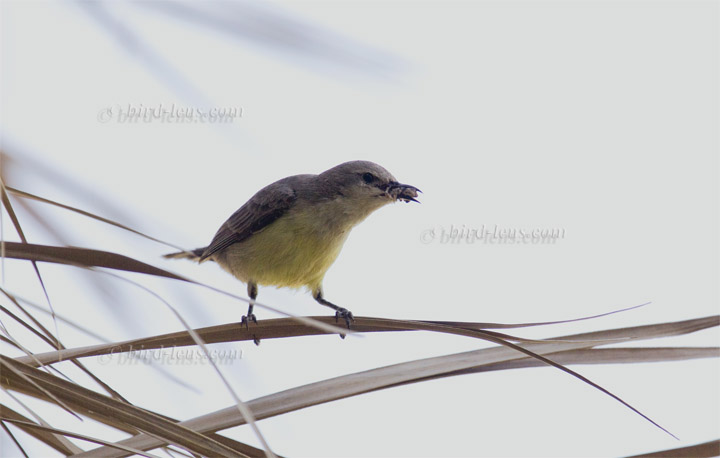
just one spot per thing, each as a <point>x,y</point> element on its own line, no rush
<point>345,314</point>
<point>246,319</point>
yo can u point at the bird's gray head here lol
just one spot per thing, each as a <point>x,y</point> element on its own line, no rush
<point>368,184</point>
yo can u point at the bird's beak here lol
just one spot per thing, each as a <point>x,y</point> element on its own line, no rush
<point>404,192</point>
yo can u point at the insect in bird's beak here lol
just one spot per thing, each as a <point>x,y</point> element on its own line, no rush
<point>404,192</point>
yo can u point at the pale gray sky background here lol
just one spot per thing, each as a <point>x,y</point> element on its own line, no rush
<point>596,118</point>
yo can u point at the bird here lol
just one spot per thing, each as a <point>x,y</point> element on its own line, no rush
<point>290,232</point>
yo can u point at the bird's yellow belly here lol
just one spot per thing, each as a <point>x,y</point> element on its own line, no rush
<point>285,254</point>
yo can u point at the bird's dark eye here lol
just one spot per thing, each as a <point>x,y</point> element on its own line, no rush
<point>368,177</point>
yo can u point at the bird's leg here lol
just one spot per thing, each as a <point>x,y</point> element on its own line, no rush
<point>339,311</point>
<point>252,292</point>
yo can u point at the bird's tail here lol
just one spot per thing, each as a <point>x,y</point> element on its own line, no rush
<point>193,255</point>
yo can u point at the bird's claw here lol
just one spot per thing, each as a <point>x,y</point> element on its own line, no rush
<point>346,315</point>
<point>246,319</point>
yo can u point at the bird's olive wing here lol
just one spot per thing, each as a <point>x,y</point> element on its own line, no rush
<point>261,210</point>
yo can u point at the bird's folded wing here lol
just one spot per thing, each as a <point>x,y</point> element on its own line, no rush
<point>269,204</point>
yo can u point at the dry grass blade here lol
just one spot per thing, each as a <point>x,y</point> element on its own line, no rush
<point>38,419</point>
<point>596,356</point>
<point>285,327</point>
<point>15,441</point>
<point>27,195</point>
<point>16,223</point>
<point>62,319</point>
<point>52,341</point>
<point>538,323</point>
<point>24,324</point>
<point>68,448</point>
<point>96,336</point>
<point>30,425</point>
<point>8,339</point>
<point>46,437</point>
<point>49,337</point>
<point>32,385</point>
<point>264,329</point>
<point>31,381</point>
<point>22,161</point>
<point>409,372</point>
<point>704,450</point>
<point>84,257</point>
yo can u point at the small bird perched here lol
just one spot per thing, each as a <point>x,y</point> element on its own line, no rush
<point>290,232</point>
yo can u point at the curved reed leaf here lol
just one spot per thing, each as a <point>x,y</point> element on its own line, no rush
<point>704,450</point>
<point>84,257</point>
<point>285,328</point>
<point>27,195</point>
